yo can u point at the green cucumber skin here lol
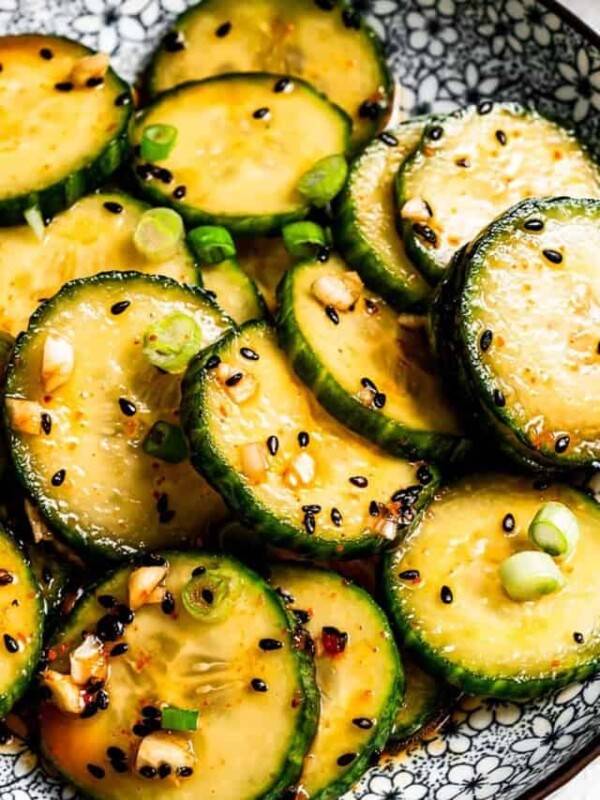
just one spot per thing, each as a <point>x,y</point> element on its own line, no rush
<point>441,705</point>
<point>376,44</point>
<point>458,362</point>
<point>389,434</point>
<point>20,686</point>
<point>244,285</point>
<point>240,500</point>
<point>74,536</point>
<point>238,225</point>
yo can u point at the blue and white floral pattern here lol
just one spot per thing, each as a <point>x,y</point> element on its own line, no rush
<point>444,53</point>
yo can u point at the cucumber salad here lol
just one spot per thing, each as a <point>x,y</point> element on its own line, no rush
<point>301,428</point>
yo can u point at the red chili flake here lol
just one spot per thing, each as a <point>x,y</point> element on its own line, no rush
<point>52,655</point>
<point>334,640</point>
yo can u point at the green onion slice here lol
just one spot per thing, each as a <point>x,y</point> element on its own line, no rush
<point>325,180</point>
<point>158,234</point>
<point>157,142</point>
<point>555,529</point>
<point>166,442</point>
<point>33,217</point>
<point>530,575</point>
<point>211,244</point>
<point>304,239</point>
<point>172,342</point>
<point>211,594</point>
<point>179,719</point>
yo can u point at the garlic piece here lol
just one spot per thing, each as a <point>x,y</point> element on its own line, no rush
<point>66,694</point>
<point>92,68</point>
<point>24,416</point>
<point>416,210</point>
<point>88,661</point>
<point>163,747</point>
<point>39,530</point>
<point>254,462</point>
<point>58,360</point>
<point>142,583</point>
<point>300,471</point>
<point>338,291</point>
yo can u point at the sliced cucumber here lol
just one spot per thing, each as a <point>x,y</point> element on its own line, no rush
<point>21,623</point>
<point>283,36</point>
<point>94,235</point>
<point>474,165</point>
<point>61,137</point>
<point>234,290</point>
<point>444,589</point>
<point>425,700</point>
<point>524,353</point>
<point>266,142</point>
<point>52,574</point>
<point>265,260</point>
<point>365,220</point>
<point>79,447</point>
<point>371,370</point>
<point>358,672</point>
<point>169,657</point>
<point>282,463</point>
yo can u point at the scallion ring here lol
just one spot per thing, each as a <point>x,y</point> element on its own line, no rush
<point>179,719</point>
<point>211,244</point>
<point>212,595</point>
<point>165,442</point>
<point>172,342</point>
<point>304,239</point>
<point>157,142</point>
<point>324,180</point>
<point>530,575</point>
<point>554,529</point>
<point>158,233</point>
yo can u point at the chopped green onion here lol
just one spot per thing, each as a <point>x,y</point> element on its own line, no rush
<point>304,239</point>
<point>211,244</point>
<point>33,217</point>
<point>210,595</point>
<point>325,180</point>
<point>157,142</point>
<point>158,234</point>
<point>554,529</point>
<point>172,342</point>
<point>179,719</point>
<point>166,442</point>
<point>529,575</point>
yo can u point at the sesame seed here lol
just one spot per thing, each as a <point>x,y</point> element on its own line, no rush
<point>364,723</point>
<point>425,232</point>
<point>553,256</point>
<point>562,443</point>
<point>436,133</point>
<point>389,139</point>
<point>351,19</point>
<point>346,759</point>
<point>96,771</point>
<point>281,85</point>
<point>212,363</point>
<point>485,108</point>
<point>11,644</point>
<point>63,86</point>
<point>119,650</point>
<point>485,340</point>
<point>409,575</point>
<point>508,523</point>
<point>336,517</point>
<point>122,100</point>
<point>534,225</point>
<point>248,353</point>
<point>302,616</point>
<point>116,754</point>
<point>374,508</point>
<point>502,138</point>
<point>109,628</point>
<point>119,766</point>
<point>173,42</point>
<point>58,478</point>
<point>152,560</point>
<point>166,516</point>
<point>370,306</point>
<point>223,30</point>
<point>185,772</point>
<point>446,595</point>
<point>332,314</point>
<point>46,54</point>
<point>369,110</point>
<point>310,524</point>
<point>198,572</point>
<point>6,577</point>
<point>143,171</point>
<point>127,407</point>
<point>179,192</point>
<point>303,439</point>
<point>499,399</point>
<point>261,113</point>
<point>578,637</point>
<point>151,712</point>
<point>463,162</point>
<point>113,207</point>
<point>90,710</point>
<point>147,772</point>
<point>368,384</point>
<point>46,423</point>
<point>102,700</point>
<point>168,604</point>
<point>379,400</point>
<point>141,730</point>
<point>234,379</point>
<point>207,596</point>
<point>270,644</point>
<point>323,254</point>
<point>273,445</point>
<point>259,685</point>
<point>359,481</point>
<point>424,475</point>
<point>162,504</point>
<point>107,600</point>
<point>94,81</point>
<point>285,596</point>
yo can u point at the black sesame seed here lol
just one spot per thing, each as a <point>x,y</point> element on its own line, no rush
<point>6,577</point>
<point>303,439</point>
<point>369,110</point>
<point>332,314</point>
<point>147,772</point>
<point>179,192</point>
<point>261,113</point>
<point>46,54</point>
<point>90,710</point>
<point>63,86</point>
<point>122,100</point>
<point>425,232</point>
<point>553,256</point>
<point>116,754</point>
<point>336,517</point>
<point>258,685</point>
<point>119,650</point>
<point>374,757</point>
<point>120,307</point>
<point>151,712</point>
<point>485,339</point>
<point>281,85</point>
<point>446,595</point>
<point>164,771</point>
<point>94,686</point>
<point>368,384</point>
<point>96,771</point>
<point>162,504</point>
<point>502,138</point>
<point>424,475</point>
<point>197,572</point>
<point>463,162</point>
<point>374,508</point>
<point>578,637</point>
<point>310,524</point>
<point>185,772</point>
<point>102,700</point>
<point>168,604</point>
<point>485,108</point>
<point>389,139</point>
<point>119,766</point>
<point>95,80</point>
<point>173,42</point>
<point>58,478</point>
<point>152,560</point>
<point>270,644</point>
<point>499,399</point>
<point>562,443</point>
<point>379,400</point>
<point>140,729</point>
<point>409,575</point>
<point>285,596</point>
<point>223,30</point>
<point>351,19</point>
<point>166,516</point>
<point>273,445</point>
<point>212,363</point>
<point>109,628</point>
<point>234,379</point>
<point>143,171</point>
<point>210,293</point>
<point>208,596</point>
<point>534,225</point>
<point>248,353</point>
<point>364,723</point>
<point>11,644</point>
<point>127,407</point>
<point>46,423</point>
<point>125,614</point>
<point>113,207</point>
<point>508,523</point>
<point>312,509</point>
<point>359,481</point>
<point>323,254</point>
<point>346,759</point>
<point>107,600</point>
<point>302,616</point>
<point>436,133</point>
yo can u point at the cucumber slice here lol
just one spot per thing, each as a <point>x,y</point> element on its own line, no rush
<point>286,36</point>
<point>174,659</point>
<point>60,140</point>
<point>474,165</point>
<point>425,700</point>
<point>371,370</point>
<point>456,593</point>
<point>365,217</point>
<point>234,290</point>
<point>93,235</point>
<point>265,260</point>
<point>267,141</point>
<point>525,349</point>
<point>52,575</point>
<point>361,686</point>
<point>22,623</point>
<point>274,455</point>
<point>95,423</point>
